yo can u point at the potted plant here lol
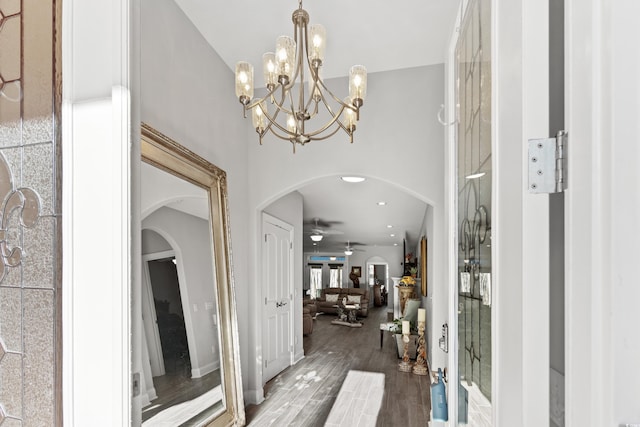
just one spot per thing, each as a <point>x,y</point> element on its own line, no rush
<point>414,271</point>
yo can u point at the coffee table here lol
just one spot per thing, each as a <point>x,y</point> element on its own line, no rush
<point>350,318</point>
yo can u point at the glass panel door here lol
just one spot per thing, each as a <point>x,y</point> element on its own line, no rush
<point>474,177</point>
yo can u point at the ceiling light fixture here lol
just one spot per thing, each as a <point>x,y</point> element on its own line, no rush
<point>348,252</point>
<point>290,113</point>
<point>352,178</point>
<point>476,175</point>
<point>382,203</point>
<point>389,226</point>
<point>316,237</point>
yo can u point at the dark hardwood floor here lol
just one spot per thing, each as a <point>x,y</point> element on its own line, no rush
<point>304,394</point>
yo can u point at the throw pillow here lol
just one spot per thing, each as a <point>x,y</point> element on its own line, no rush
<point>353,299</point>
<point>332,297</point>
<point>411,310</point>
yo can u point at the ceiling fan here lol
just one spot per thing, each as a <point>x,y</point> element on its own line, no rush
<point>349,248</point>
<point>317,233</point>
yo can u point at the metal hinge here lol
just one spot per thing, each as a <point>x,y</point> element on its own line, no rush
<point>548,164</point>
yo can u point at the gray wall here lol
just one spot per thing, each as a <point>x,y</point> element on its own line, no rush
<point>190,238</point>
<point>152,242</point>
<point>186,93</point>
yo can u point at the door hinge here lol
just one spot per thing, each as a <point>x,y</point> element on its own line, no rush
<point>548,164</point>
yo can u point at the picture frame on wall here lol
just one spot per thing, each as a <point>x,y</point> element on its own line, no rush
<point>356,270</point>
<point>423,265</point>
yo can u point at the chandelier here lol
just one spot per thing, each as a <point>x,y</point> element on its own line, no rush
<point>287,111</point>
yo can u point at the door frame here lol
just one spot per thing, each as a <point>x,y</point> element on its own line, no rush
<point>287,227</point>
<point>520,221</point>
<point>150,322</point>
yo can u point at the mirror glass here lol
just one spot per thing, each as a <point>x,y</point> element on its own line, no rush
<point>189,324</point>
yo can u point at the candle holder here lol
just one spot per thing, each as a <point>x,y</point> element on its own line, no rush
<point>405,365</point>
<point>420,367</point>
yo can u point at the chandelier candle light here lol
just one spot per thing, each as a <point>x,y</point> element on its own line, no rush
<point>290,112</point>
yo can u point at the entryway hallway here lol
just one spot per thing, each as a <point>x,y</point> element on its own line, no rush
<point>303,394</point>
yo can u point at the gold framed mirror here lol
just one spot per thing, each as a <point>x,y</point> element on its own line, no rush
<point>184,212</point>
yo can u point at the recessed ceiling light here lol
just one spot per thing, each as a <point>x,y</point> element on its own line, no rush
<point>352,178</point>
<point>476,175</point>
<point>389,226</point>
<point>392,235</point>
<point>395,244</point>
<point>382,203</point>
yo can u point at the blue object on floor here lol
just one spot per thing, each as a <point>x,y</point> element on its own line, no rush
<point>439,400</point>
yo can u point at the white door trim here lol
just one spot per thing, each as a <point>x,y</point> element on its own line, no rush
<point>535,219</point>
<point>96,212</point>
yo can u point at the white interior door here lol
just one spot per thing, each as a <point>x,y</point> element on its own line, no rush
<point>150,319</point>
<point>277,274</point>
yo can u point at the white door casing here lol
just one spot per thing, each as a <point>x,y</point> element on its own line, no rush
<point>277,296</point>
<point>149,316</point>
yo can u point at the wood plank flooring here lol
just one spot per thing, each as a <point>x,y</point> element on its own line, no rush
<point>304,394</point>
<point>174,388</point>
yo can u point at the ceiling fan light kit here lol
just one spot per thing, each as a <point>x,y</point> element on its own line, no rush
<point>290,113</point>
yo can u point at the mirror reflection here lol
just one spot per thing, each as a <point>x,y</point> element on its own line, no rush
<point>187,343</point>
<point>179,306</point>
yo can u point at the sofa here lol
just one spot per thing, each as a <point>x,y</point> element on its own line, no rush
<point>328,298</point>
<point>308,315</point>
<point>307,321</point>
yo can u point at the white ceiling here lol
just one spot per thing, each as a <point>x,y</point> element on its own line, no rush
<point>382,36</point>
<point>355,217</point>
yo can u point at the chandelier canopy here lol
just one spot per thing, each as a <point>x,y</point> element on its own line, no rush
<point>291,114</point>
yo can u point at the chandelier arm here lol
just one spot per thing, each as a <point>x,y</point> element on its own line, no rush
<point>264,98</point>
<point>303,53</point>
<point>273,122</point>
<point>326,89</point>
<point>315,138</point>
<point>328,124</point>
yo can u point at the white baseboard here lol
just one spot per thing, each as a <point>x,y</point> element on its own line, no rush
<point>253,397</point>
<point>298,357</point>
<point>206,369</point>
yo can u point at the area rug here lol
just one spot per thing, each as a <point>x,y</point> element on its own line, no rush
<point>344,323</point>
<point>359,400</point>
